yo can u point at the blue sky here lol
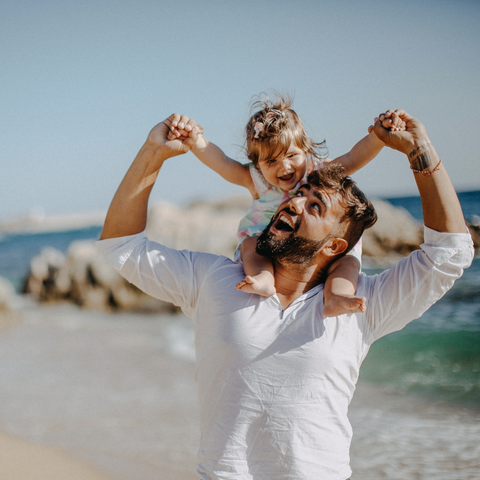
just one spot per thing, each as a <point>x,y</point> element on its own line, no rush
<point>83,83</point>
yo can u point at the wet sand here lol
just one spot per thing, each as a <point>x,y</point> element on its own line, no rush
<point>114,395</point>
<point>21,460</point>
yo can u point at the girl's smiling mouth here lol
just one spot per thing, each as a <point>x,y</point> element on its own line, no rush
<point>288,177</point>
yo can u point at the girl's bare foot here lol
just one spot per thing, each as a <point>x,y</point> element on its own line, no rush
<point>262,284</point>
<point>339,304</point>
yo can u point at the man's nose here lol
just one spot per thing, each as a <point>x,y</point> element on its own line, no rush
<point>297,204</point>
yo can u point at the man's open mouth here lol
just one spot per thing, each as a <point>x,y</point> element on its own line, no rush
<point>284,223</point>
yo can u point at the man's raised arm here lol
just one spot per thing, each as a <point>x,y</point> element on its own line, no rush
<point>127,214</point>
<point>441,208</point>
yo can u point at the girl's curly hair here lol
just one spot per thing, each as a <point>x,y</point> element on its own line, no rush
<point>272,129</point>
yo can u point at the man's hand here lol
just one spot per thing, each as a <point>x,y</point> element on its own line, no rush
<point>176,135</point>
<point>406,140</point>
<point>127,214</point>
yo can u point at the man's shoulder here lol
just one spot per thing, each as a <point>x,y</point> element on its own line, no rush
<point>140,246</point>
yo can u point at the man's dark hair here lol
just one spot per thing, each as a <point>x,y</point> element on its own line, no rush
<point>359,211</point>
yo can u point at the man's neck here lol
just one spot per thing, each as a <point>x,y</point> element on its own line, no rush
<point>293,281</point>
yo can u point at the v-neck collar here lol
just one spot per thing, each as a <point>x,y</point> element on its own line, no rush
<point>303,297</point>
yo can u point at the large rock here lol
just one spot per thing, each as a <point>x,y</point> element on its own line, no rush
<point>82,276</point>
<point>395,234</point>
<point>200,227</point>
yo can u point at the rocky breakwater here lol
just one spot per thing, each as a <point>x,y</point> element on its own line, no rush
<point>81,275</point>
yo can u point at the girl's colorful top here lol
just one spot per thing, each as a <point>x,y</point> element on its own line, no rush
<point>263,208</point>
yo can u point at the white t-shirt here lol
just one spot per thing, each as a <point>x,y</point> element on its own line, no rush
<point>274,385</point>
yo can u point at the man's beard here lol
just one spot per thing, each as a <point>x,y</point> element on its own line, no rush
<point>293,249</point>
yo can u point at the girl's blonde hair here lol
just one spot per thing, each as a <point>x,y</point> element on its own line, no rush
<point>271,130</point>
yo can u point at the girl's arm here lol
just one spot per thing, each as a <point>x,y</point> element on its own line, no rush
<point>364,151</point>
<point>229,169</point>
<point>369,147</point>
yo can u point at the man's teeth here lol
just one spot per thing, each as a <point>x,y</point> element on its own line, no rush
<point>287,220</point>
<point>285,223</point>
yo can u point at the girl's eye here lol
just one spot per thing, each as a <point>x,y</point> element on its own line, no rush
<point>271,161</point>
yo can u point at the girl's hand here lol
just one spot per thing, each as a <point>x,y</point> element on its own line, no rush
<point>181,127</point>
<point>391,120</point>
<point>407,140</point>
<point>162,136</point>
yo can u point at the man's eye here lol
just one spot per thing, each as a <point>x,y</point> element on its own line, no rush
<point>299,193</point>
<point>316,206</point>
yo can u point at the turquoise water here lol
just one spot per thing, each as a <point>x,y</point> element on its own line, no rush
<point>436,356</point>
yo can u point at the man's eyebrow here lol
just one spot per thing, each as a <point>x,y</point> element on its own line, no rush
<point>316,193</point>
<point>320,197</point>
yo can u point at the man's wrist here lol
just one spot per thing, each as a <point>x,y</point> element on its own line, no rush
<point>422,156</point>
<point>153,156</point>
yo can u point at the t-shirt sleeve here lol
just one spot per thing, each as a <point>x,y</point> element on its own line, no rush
<point>170,275</point>
<point>404,292</point>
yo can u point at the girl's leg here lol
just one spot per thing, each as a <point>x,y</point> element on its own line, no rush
<point>340,286</point>
<point>259,270</point>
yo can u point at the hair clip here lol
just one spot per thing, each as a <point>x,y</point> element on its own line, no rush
<point>258,128</point>
<point>278,112</point>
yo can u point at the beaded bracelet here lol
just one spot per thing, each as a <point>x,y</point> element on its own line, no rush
<point>425,174</point>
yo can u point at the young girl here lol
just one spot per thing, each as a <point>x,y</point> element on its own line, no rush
<point>282,156</point>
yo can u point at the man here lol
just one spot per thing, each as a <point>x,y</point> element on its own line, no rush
<point>274,376</point>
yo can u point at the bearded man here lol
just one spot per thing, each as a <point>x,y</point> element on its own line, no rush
<point>275,377</point>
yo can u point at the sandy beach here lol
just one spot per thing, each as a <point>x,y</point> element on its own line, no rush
<point>21,460</point>
<point>105,390</point>
<point>99,396</point>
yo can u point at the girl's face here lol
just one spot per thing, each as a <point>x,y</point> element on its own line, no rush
<point>285,170</point>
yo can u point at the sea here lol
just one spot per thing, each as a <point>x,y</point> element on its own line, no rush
<point>434,361</point>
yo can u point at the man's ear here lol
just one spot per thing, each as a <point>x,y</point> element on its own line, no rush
<point>335,246</point>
